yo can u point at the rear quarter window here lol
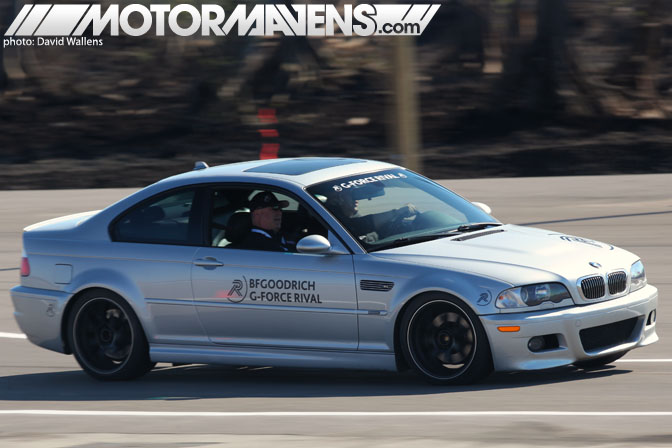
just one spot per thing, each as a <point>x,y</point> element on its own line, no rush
<point>168,219</point>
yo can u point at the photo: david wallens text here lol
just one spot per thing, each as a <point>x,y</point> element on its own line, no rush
<point>52,41</point>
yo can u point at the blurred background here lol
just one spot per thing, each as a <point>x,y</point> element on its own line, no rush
<point>493,88</point>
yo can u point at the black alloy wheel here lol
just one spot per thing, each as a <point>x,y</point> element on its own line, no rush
<point>444,341</point>
<point>106,337</point>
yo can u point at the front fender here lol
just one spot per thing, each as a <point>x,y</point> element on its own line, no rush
<point>476,291</point>
<point>378,327</point>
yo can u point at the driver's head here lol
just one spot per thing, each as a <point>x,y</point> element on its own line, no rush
<point>266,211</point>
<point>343,203</point>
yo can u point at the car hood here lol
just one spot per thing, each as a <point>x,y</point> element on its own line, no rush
<point>510,252</point>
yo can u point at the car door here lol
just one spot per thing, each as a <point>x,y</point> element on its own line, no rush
<point>274,299</point>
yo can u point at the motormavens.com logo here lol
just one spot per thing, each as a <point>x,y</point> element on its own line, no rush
<point>44,22</point>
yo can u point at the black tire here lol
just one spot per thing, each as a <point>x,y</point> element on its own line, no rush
<point>443,340</point>
<point>106,337</point>
<point>596,363</point>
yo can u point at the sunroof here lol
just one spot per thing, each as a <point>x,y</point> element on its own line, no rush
<point>297,167</point>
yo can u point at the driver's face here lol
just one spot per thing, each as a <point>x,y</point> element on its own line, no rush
<point>349,206</point>
<point>267,218</point>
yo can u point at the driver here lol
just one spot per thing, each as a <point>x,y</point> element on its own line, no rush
<point>266,217</point>
<point>366,227</point>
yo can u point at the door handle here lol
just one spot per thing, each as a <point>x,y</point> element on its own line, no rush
<point>208,262</point>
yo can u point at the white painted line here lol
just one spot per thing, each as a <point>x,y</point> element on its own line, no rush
<point>644,360</point>
<point>12,335</point>
<point>56,412</point>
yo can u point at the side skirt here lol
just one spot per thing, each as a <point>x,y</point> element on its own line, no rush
<point>272,357</point>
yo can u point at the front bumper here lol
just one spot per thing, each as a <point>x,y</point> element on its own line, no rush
<point>510,350</point>
<point>38,313</point>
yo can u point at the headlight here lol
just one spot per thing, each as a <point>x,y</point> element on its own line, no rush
<point>532,295</point>
<point>637,276</point>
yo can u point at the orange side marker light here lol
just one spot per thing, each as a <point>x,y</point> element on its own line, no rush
<point>511,329</point>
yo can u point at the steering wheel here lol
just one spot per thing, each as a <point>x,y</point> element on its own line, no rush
<point>400,222</point>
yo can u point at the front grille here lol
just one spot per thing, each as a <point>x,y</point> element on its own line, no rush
<point>592,287</point>
<point>375,285</point>
<point>609,335</point>
<point>617,282</point>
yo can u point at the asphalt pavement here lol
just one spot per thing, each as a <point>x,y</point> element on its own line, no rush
<point>46,400</point>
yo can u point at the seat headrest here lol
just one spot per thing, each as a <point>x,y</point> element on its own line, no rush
<point>238,226</point>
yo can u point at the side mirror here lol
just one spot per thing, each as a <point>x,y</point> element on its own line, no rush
<point>483,207</point>
<point>313,244</point>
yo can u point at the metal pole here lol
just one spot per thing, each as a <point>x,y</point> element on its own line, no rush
<point>406,110</point>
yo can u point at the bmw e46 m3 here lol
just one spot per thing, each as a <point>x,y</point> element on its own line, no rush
<point>374,267</point>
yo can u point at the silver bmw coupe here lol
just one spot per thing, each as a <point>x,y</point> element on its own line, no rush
<point>355,264</point>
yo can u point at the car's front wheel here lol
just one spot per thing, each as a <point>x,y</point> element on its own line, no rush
<point>106,337</point>
<point>444,341</point>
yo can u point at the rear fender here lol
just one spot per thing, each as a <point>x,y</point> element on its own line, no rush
<point>115,282</point>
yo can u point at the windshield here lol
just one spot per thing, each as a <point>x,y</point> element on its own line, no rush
<point>396,207</point>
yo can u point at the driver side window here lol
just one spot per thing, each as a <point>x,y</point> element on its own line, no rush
<point>231,220</point>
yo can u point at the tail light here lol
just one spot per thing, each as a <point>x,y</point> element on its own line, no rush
<point>25,267</point>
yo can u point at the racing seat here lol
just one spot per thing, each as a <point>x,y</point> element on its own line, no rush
<point>237,228</point>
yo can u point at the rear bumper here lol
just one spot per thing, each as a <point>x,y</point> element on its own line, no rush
<point>510,350</point>
<point>38,313</point>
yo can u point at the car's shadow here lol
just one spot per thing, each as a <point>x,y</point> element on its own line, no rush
<point>195,382</point>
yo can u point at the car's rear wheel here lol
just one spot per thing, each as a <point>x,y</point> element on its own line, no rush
<point>596,363</point>
<point>106,337</point>
<point>444,341</point>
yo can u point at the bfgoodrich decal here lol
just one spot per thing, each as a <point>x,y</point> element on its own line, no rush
<point>273,290</point>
